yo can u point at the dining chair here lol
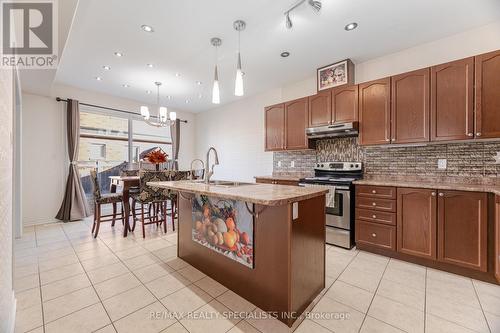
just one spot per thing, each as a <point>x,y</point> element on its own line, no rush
<point>104,199</point>
<point>176,176</point>
<point>154,198</point>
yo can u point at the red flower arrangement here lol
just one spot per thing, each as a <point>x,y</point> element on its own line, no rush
<point>157,157</point>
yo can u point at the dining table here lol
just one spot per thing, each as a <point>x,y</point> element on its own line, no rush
<point>126,182</point>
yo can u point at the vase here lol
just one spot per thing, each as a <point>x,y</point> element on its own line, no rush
<point>157,167</point>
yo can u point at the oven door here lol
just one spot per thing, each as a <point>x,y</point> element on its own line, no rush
<point>339,214</point>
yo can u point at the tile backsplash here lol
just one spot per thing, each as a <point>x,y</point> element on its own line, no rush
<point>466,160</point>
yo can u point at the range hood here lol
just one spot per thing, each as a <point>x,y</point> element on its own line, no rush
<point>333,131</point>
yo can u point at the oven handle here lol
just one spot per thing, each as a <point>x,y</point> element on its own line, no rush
<point>339,188</point>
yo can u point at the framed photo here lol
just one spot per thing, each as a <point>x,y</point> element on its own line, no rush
<point>334,75</point>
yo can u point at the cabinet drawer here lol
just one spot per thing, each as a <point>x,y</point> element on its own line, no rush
<point>376,216</point>
<point>377,204</point>
<point>382,192</point>
<point>264,181</point>
<point>375,234</point>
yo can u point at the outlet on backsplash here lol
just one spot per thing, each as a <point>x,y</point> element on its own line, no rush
<point>442,164</point>
<point>497,158</point>
<point>292,164</point>
<point>279,164</point>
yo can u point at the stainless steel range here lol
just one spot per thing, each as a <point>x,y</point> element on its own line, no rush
<point>338,177</point>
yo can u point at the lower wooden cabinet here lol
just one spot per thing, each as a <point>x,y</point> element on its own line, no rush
<point>462,229</point>
<point>374,234</point>
<point>497,238</point>
<point>416,226</point>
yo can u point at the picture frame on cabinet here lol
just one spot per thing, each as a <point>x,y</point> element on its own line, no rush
<point>334,75</point>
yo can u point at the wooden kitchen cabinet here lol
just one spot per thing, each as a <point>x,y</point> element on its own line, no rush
<point>416,222</point>
<point>296,121</point>
<point>487,97</point>
<point>497,238</point>
<point>275,127</point>
<point>462,229</point>
<point>410,107</point>
<point>344,104</point>
<point>375,112</point>
<point>320,109</point>
<point>452,100</point>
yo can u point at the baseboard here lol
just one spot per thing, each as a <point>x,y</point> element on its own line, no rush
<point>30,223</point>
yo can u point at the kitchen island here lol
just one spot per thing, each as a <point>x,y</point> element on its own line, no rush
<point>264,242</point>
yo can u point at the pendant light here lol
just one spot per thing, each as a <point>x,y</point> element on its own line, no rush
<point>216,42</point>
<point>164,118</point>
<point>239,26</point>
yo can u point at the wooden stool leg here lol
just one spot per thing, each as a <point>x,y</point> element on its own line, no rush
<point>95,215</point>
<point>173,214</point>
<point>98,220</point>
<point>142,220</point>
<point>114,215</point>
<point>164,206</point>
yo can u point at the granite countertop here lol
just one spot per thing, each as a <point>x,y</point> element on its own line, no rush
<point>284,176</point>
<point>263,194</point>
<point>438,185</point>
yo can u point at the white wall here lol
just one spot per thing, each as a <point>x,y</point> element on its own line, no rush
<point>45,161</point>
<point>237,129</point>
<point>7,300</point>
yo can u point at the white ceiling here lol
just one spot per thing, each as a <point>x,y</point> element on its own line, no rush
<point>180,43</point>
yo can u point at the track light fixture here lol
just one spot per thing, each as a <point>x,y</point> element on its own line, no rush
<point>315,4</point>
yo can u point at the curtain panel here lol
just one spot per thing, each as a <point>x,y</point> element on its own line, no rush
<point>74,205</point>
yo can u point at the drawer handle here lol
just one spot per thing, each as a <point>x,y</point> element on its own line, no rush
<point>374,191</point>
<point>374,203</point>
<point>374,216</point>
<point>441,194</point>
<point>374,235</point>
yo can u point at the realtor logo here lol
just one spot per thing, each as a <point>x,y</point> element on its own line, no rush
<point>29,34</point>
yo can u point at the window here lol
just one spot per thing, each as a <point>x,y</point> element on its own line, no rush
<point>97,151</point>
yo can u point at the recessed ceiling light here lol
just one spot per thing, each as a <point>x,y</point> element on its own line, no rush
<point>150,65</point>
<point>98,78</point>
<point>106,68</point>
<point>285,54</point>
<point>200,96</point>
<point>118,54</point>
<point>177,74</point>
<point>351,26</point>
<point>187,101</point>
<point>147,28</point>
<point>149,92</point>
<point>169,97</point>
<point>125,85</point>
<point>198,83</point>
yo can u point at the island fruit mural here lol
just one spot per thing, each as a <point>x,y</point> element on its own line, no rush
<point>224,226</point>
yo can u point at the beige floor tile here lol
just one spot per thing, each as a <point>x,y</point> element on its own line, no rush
<point>406,266</point>
<point>141,261</point>
<point>85,320</point>
<point>29,318</point>
<point>22,271</point>
<point>175,328</point>
<point>152,272</point>
<point>309,326</point>
<point>131,253</point>
<point>191,273</point>
<point>127,302</point>
<point>63,287</point>
<point>94,253</point>
<point>31,260</point>
<point>415,280</point>
<point>186,300</point>
<point>372,325</point>
<point>493,321</point>
<point>489,296</point>
<point>49,264</point>
<point>27,282</point>
<point>373,258</point>
<point>397,314</point>
<point>336,316</point>
<point>210,286</point>
<point>461,314</point>
<point>98,262</point>
<point>361,278</point>
<point>156,244</point>
<point>151,319</point>
<point>171,238</point>
<point>336,262</point>
<point>456,291</point>
<point>176,263</point>
<point>107,272</point>
<point>167,284</point>
<point>210,315</point>
<point>61,273</point>
<point>435,324</point>
<point>69,303</point>
<point>402,293</point>
<point>37,330</point>
<point>267,323</point>
<point>106,329</point>
<point>352,296</point>
<point>28,298</point>
<point>166,253</point>
<point>235,302</point>
<point>116,285</point>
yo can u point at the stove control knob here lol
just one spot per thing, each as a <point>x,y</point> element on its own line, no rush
<point>322,165</point>
<point>331,165</point>
<point>352,166</point>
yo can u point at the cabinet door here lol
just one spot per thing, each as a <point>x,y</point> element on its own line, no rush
<point>345,104</point>
<point>296,119</point>
<point>488,95</point>
<point>462,229</point>
<point>416,222</point>
<point>497,238</point>
<point>320,109</point>
<point>375,112</point>
<point>452,100</point>
<point>410,111</point>
<point>275,127</point>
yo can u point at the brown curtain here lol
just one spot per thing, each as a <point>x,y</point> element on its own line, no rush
<point>74,205</point>
<point>175,133</point>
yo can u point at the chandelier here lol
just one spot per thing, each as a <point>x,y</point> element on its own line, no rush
<point>164,118</point>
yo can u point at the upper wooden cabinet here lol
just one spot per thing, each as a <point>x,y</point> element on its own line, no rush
<point>462,229</point>
<point>275,127</point>
<point>416,226</point>
<point>410,107</point>
<point>452,100</point>
<point>345,104</point>
<point>375,112</point>
<point>296,120</point>
<point>320,109</point>
<point>488,95</point>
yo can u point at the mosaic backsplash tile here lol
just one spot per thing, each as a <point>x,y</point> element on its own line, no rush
<point>465,160</point>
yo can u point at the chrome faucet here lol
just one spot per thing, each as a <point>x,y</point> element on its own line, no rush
<point>191,167</point>
<point>208,172</point>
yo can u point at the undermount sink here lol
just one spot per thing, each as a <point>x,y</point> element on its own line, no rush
<point>224,183</point>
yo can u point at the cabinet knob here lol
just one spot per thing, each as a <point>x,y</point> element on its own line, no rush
<point>374,216</point>
<point>374,235</point>
<point>374,203</point>
<point>478,134</point>
<point>470,134</point>
<point>441,194</point>
<point>387,140</point>
<point>374,191</point>
<point>433,194</point>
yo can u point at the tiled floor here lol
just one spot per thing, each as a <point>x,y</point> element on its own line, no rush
<point>67,282</point>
